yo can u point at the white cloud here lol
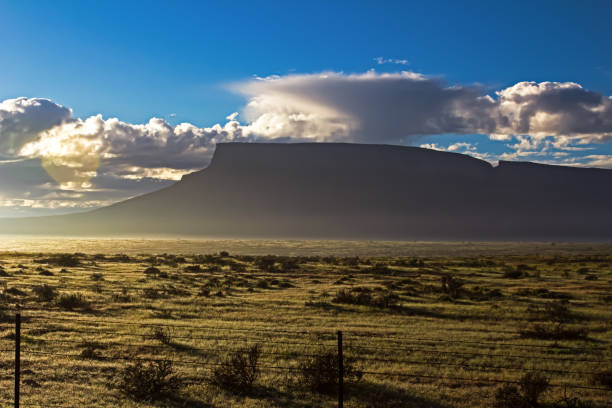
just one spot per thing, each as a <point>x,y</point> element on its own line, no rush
<point>599,160</point>
<point>381,61</point>
<point>369,107</point>
<point>22,119</point>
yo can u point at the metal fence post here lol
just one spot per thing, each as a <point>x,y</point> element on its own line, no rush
<point>17,357</point>
<point>340,372</point>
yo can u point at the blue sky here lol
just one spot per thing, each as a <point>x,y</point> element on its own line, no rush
<point>135,60</point>
<point>178,60</point>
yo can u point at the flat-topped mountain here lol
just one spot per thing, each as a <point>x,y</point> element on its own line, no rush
<point>335,190</point>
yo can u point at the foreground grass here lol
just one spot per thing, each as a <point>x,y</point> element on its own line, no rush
<point>439,321</point>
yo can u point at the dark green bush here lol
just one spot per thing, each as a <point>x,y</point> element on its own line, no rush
<point>162,334</point>
<point>44,292</point>
<point>320,372</point>
<point>148,381</point>
<point>603,378</point>
<point>65,260</point>
<point>151,270</point>
<point>508,396</point>
<point>530,387</point>
<point>72,301</point>
<point>238,371</point>
<point>451,286</point>
<point>365,297</point>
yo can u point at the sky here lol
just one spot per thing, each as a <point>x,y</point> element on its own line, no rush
<point>101,101</point>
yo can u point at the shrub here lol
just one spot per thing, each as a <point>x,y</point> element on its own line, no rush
<point>451,286</point>
<point>163,335</point>
<point>44,272</point>
<point>530,387</point>
<point>238,267</point>
<point>320,372</point>
<point>266,263</point>
<point>508,396</point>
<point>556,315</point>
<point>151,293</point>
<point>124,296</point>
<point>151,270</point>
<point>148,381</point>
<point>512,274</point>
<point>603,378</point>
<point>72,301</point>
<point>554,332</point>
<point>97,276</point>
<point>379,269</point>
<point>44,292</point>
<point>66,260</point>
<point>363,296</point>
<point>238,371</point>
<point>571,403</point>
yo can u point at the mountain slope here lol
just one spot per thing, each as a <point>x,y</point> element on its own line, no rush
<point>359,191</point>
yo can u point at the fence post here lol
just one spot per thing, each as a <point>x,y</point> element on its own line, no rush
<point>17,357</point>
<point>340,372</point>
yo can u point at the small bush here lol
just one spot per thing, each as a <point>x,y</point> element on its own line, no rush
<point>66,260</point>
<point>97,277</point>
<point>603,378</point>
<point>151,270</point>
<point>320,373</point>
<point>148,381</point>
<point>238,371</point>
<point>554,332</point>
<point>451,286</point>
<point>161,334</point>
<point>151,293</point>
<point>556,315</point>
<point>513,274</point>
<point>364,296</point>
<point>44,272</point>
<point>530,387</point>
<point>571,403</point>
<point>124,296</point>
<point>193,268</point>
<point>508,396</point>
<point>72,301</point>
<point>44,292</point>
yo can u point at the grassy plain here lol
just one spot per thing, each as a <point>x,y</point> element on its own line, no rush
<point>450,324</point>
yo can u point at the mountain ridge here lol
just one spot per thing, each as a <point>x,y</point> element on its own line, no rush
<point>338,190</point>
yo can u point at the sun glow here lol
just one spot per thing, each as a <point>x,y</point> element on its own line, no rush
<point>70,153</point>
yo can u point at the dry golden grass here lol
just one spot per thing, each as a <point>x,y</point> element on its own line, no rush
<point>73,358</point>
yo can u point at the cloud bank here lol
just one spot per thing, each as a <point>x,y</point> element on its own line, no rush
<point>401,107</point>
<point>83,157</point>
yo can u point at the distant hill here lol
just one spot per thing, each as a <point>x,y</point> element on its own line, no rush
<point>334,190</point>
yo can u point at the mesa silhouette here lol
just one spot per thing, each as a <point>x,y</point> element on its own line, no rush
<point>357,191</point>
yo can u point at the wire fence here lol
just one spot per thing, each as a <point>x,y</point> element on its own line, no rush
<point>37,337</point>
